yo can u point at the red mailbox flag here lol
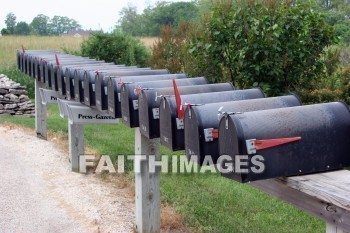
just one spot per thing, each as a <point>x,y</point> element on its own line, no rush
<point>180,109</point>
<point>57,62</point>
<point>264,144</point>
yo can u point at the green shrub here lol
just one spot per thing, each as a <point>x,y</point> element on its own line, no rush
<point>335,84</point>
<point>268,43</point>
<point>115,47</point>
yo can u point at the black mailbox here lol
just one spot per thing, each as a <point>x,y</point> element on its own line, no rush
<point>101,88</point>
<point>171,122</point>
<point>48,66</point>
<point>76,75</point>
<point>130,92</point>
<point>66,72</point>
<point>114,85</point>
<point>89,85</point>
<point>289,141</point>
<point>149,102</point>
<point>202,122</point>
<point>57,75</point>
<point>89,74</point>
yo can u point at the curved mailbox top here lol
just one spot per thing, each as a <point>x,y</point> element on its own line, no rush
<point>90,87</point>
<point>149,102</point>
<point>102,87</point>
<point>291,141</point>
<point>202,122</point>
<point>173,136</point>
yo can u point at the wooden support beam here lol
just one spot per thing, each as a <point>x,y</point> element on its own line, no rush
<point>76,144</point>
<point>147,185</point>
<point>324,195</point>
<point>40,112</point>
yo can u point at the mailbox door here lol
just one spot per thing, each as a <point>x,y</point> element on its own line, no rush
<point>324,139</point>
<point>112,95</point>
<point>79,86</point>
<point>69,78</point>
<point>204,120</point>
<point>100,94</point>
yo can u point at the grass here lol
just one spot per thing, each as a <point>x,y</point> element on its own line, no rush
<point>207,202</point>
<point>148,41</point>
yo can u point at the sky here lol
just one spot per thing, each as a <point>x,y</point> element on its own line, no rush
<point>91,14</point>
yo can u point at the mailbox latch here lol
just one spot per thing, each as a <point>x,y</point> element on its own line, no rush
<point>210,134</point>
<point>254,145</point>
<point>135,103</point>
<point>179,123</point>
<point>155,112</point>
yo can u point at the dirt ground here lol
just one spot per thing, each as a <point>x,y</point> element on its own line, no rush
<point>39,193</point>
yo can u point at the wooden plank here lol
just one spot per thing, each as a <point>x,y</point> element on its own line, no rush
<point>331,187</point>
<point>76,144</point>
<point>331,228</point>
<point>147,185</point>
<point>325,195</point>
<point>40,112</point>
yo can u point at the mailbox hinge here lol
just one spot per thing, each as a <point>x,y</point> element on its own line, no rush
<point>210,134</point>
<point>254,145</point>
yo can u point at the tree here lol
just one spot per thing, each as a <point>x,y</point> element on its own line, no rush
<point>130,21</point>
<point>22,28</point>
<point>150,21</point>
<point>62,24</point>
<point>270,44</point>
<point>10,22</point>
<point>39,24</point>
<point>5,32</point>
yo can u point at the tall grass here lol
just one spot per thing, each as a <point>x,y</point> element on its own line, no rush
<point>9,45</point>
<point>148,41</point>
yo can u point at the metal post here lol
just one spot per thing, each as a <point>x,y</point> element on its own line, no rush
<point>147,185</point>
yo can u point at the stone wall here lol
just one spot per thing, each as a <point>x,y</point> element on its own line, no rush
<point>14,99</point>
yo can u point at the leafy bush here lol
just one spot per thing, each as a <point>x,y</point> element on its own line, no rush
<point>5,32</point>
<point>115,47</point>
<point>335,85</point>
<point>171,51</point>
<point>269,43</point>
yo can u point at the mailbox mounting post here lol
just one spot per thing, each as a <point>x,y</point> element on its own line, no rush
<point>40,112</point>
<point>76,144</point>
<point>147,184</point>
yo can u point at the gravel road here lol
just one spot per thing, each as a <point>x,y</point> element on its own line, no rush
<point>39,193</point>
